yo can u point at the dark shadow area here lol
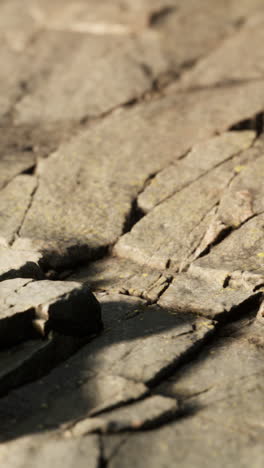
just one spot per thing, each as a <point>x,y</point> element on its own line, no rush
<point>76,387</point>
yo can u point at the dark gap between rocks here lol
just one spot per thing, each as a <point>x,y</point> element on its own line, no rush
<point>158,17</point>
<point>221,236</point>
<point>133,216</point>
<point>31,170</point>
<point>253,123</point>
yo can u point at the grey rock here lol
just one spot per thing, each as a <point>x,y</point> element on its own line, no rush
<point>144,414</point>
<point>201,159</point>
<point>32,359</point>
<point>70,57</point>
<point>15,199</point>
<point>134,337</point>
<point>208,297</point>
<point>222,393</point>
<point>223,64</point>
<point>41,450</point>
<point>29,308</point>
<point>242,251</point>
<point>118,275</point>
<point>109,370</point>
<point>139,41</point>
<point>214,437</point>
<point>19,264</point>
<point>91,160</point>
<point>12,165</point>
<point>177,224</point>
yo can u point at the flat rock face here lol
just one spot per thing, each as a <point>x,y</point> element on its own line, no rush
<point>131,233</point>
<point>200,160</point>
<point>44,450</point>
<point>15,200</point>
<point>208,297</point>
<point>222,392</point>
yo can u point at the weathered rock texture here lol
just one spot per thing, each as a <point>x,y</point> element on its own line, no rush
<point>131,168</point>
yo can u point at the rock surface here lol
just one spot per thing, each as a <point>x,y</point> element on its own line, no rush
<point>33,308</point>
<point>131,167</point>
<point>117,275</point>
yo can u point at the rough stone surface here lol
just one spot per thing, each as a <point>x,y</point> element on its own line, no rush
<point>201,159</point>
<point>110,369</point>
<point>19,263</point>
<point>208,297</point>
<point>117,275</point>
<point>94,173</point>
<point>15,200</point>
<point>31,359</point>
<point>39,451</point>
<point>31,307</point>
<point>224,66</point>
<point>144,414</point>
<point>222,391</point>
<point>131,166</point>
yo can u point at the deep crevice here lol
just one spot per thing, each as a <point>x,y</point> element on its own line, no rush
<point>255,123</point>
<point>158,17</point>
<point>133,217</point>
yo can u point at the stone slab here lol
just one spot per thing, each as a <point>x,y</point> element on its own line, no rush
<point>118,275</point>
<point>34,308</point>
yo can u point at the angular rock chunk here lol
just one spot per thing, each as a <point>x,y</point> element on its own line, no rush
<point>117,275</point>
<point>170,233</point>
<point>201,159</point>
<point>90,380</point>
<point>116,157</point>
<point>31,308</point>
<point>19,263</point>
<point>140,415</point>
<point>41,450</point>
<point>15,199</point>
<point>208,297</point>
<point>242,250</point>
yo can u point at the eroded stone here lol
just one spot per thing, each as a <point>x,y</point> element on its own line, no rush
<point>110,369</point>
<point>29,308</point>
<point>117,275</point>
<point>201,159</point>
<point>207,297</point>
<point>242,250</point>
